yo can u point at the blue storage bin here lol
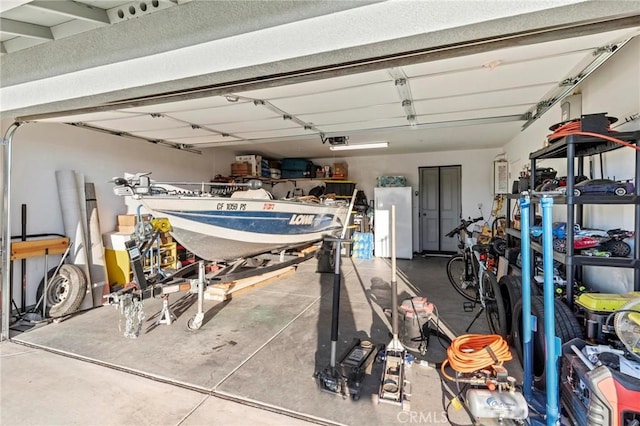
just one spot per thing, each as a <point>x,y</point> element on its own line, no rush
<point>387,181</point>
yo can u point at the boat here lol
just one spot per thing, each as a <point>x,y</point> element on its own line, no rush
<point>230,221</point>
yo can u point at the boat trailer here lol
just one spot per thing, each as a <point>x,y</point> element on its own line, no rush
<point>193,278</point>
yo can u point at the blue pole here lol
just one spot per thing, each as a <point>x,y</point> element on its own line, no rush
<point>552,343</point>
<point>527,321</point>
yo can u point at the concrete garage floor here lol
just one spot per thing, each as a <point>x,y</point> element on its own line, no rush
<point>252,361</point>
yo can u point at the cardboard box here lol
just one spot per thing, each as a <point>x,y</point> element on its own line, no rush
<point>241,169</point>
<point>340,170</point>
<point>126,229</point>
<point>254,160</point>
<point>130,219</point>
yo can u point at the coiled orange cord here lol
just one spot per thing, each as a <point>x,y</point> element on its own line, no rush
<point>573,128</point>
<point>472,352</point>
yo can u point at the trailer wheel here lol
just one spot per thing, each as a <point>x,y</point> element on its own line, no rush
<point>326,258</point>
<point>567,328</point>
<point>65,292</point>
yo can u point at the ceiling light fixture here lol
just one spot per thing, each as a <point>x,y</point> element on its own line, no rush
<point>371,145</point>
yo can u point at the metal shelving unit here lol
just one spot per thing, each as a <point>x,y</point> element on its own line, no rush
<point>576,147</point>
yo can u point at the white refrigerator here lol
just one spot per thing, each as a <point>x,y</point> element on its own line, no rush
<point>384,198</point>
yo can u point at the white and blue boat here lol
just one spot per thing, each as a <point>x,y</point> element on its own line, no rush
<point>232,221</point>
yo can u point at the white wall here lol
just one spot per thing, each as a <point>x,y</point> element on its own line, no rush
<point>615,89</point>
<point>477,176</point>
<point>40,149</point>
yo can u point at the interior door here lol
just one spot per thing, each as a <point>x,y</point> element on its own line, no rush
<point>440,207</point>
<point>429,208</point>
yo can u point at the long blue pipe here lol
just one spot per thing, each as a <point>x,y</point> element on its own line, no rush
<point>552,343</point>
<point>527,320</point>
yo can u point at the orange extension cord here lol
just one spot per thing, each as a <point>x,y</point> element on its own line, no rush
<point>469,353</point>
<point>573,128</point>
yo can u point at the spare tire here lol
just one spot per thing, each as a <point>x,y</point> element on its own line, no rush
<point>510,288</point>
<point>65,291</point>
<point>567,328</point>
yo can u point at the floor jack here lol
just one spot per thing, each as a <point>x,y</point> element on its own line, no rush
<point>394,387</point>
<point>345,376</point>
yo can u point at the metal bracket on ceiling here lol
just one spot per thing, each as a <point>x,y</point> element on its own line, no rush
<point>285,115</point>
<point>571,81</point>
<point>401,81</point>
<point>610,48</point>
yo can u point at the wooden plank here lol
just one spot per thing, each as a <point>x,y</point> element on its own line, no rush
<point>35,248</point>
<point>223,291</point>
<point>308,250</point>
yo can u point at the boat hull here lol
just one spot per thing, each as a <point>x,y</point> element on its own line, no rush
<point>228,228</point>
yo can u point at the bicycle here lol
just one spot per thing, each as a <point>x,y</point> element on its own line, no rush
<point>467,271</point>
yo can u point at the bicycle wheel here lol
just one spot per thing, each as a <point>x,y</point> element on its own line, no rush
<point>462,278</point>
<point>494,305</point>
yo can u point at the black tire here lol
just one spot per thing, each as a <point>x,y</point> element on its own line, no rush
<point>326,258</point>
<point>511,291</point>
<point>498,246</point>
<point>494,305</point>
<point>567,328</point>
<point>618,248</point>
<point>66,290</point>
<point>457,273</point>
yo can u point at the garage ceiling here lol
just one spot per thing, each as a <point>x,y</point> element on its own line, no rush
<point>475,100</point>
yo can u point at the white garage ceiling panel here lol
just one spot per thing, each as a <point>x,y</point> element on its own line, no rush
<point>189,105</point>
<point>137,123</point>
<point>178,132</point>
<point>276,133</point>
<point>520,53</point>
<point>357,114</point>
<point>256,125</point>
<point>311,87</point>
<point>355,97</point>
<point>516,96</point>
<point>91,117</point>
<point>470,114</point>
<point>549,70</point>
<point>232,112</point>
<point>374,124</point>
<point>201,140</point>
